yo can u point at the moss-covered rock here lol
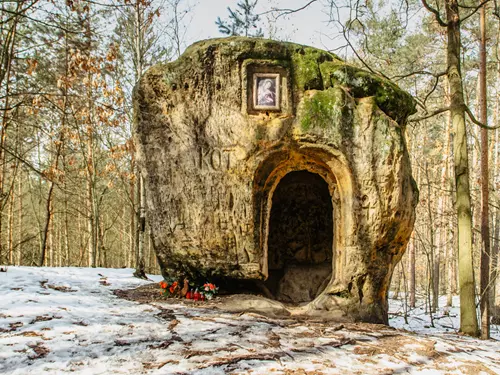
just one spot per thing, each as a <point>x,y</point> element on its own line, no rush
<point>213,162</point>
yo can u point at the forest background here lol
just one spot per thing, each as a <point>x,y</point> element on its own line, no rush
<point>70,194</point>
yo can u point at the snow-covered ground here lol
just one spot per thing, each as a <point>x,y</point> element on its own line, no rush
<point>446,320</point>
<point>67,320</point>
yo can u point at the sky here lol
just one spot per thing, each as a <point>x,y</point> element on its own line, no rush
<point>309,26</point>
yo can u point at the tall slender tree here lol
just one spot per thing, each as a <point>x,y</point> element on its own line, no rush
<point>485,226</point>
<point>141,43</point>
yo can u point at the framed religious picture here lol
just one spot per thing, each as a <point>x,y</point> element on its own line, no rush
<point>266,91</point>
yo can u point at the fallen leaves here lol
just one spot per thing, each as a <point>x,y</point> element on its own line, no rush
<point>162,345</point>
<point>173,324</point>
<point>61,288</point>
<point>15,325</point>
<point>227,361</point>
<point>39,349</point>
<point>83,323</point>
<point>153,366</point>
<point>166,314</point>
<point>41,318</point>
<point>30,334</point>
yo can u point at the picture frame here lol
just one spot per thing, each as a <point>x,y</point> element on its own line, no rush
<point>266,91</point>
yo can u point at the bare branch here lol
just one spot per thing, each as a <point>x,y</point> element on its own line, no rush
<point>435,12</point>
<point>365,64</point>
<point>435,113</point>
<point>287,11</point>
<point>475,10</point>
<point>466,109</point>
<point>424,72</point>
<point>436,81</point>
<point>477,122</point>
<point>23,161</point>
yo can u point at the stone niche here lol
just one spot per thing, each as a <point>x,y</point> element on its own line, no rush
<point>278,162</point>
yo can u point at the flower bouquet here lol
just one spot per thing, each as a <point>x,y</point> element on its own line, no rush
<point>169,287</point>
<point>209,290</point>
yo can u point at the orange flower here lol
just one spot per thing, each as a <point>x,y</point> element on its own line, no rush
<point>163,284</point>
<point>174,286</point>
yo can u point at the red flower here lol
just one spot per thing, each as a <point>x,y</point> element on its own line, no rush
<point>174,286</point>
<point>163,285</point>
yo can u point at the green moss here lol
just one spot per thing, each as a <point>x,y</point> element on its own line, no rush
<point>310,68</point>
<point>327,69</point>
<point>306,71</point>
<point>395,102</point>
<point>243,47</point>
<point>320,110</point>
<point>304,60</point>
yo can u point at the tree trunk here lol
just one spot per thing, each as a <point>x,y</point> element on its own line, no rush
<point>495,251</point>
<point>50,240</point>
<point>468,318</point>
<point>495,272</point>
<point>66,230</point>
<point>10,228</point>
<point>132,215</point>
<point>443,243</point>
<point>91,209</point>
<point>431,256</point>
<point>412,271</point>
<point>5,69</point>
<point>141,193</point>
<point>141,228</point>
<point>19,218</point>
<point>485,226</point>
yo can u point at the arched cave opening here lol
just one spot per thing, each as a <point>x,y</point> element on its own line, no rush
<point>300,238</point>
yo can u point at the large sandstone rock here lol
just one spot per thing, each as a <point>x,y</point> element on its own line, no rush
<point>220,129</point>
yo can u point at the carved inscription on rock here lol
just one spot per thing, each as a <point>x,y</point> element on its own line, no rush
<point>214,159</point>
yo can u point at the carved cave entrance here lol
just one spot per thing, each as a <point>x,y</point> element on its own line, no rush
<point>300,237</point>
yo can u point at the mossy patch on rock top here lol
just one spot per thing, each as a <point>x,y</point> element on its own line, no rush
<point>395,102</point>
<point>306,67</point>
<point>311,69</point>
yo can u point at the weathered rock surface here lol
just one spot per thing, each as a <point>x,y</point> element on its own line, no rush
<point>216,162</point>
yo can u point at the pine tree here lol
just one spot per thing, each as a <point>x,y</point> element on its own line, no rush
<point>242,21</point>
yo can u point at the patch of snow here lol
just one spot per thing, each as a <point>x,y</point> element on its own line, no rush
<point>67,320</point>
